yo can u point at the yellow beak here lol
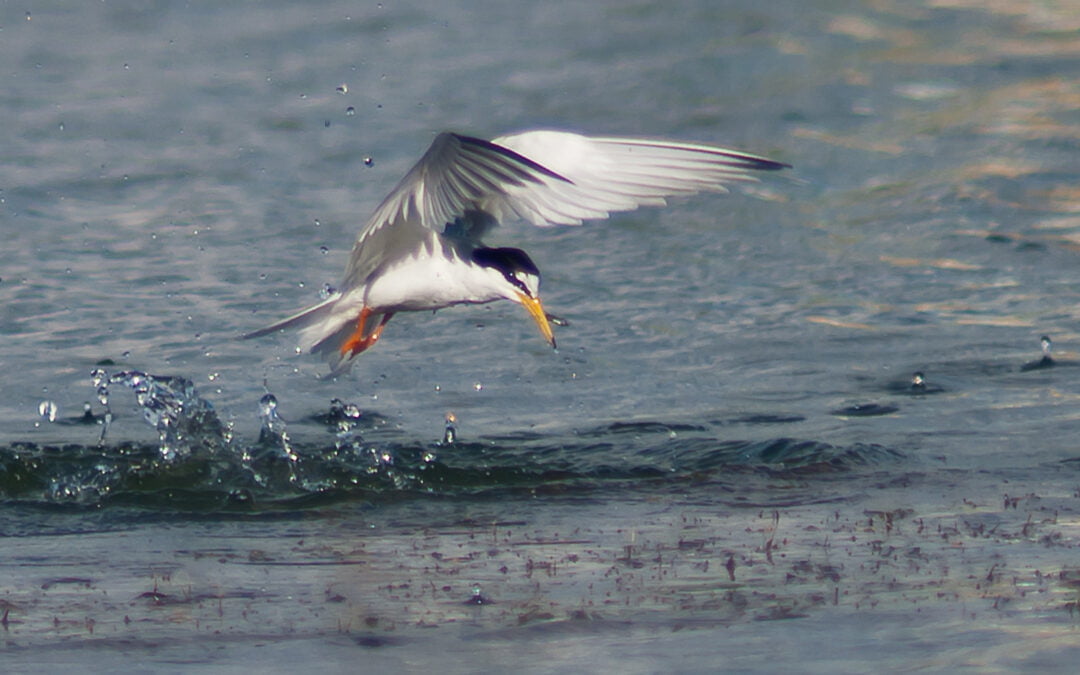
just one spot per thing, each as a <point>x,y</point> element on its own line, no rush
<point>539,316</point>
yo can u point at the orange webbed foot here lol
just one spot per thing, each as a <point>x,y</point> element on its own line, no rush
<point>358,342</point>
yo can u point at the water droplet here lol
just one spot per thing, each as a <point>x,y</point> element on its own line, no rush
<point>918,380</point>
<point>1046,361</point>
<point>212,376</point>
<point>368,161</point>
<point>324,250</point>
<point>343,88</point>
<point>450,430</point>
<point>317,223</point>
<point>28,17</point>
<point>47,410</point>
<point>350,111</point>
<point>477,598</point>
<point>61,126</point>
<point>100,379</point>
<point>438,388</point>
<point>347,416</point>
<point>326,291</point>
<point>274,432</point>
<point>268,407</point>
<point>478,386</point>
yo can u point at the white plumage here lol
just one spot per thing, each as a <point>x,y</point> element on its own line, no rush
<point>421,248</point>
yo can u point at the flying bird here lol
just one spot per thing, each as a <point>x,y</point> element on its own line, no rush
<point>422,249</point>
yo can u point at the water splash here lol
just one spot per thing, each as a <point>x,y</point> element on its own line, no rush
<point>185,422</point>
<point>346,418</point>
<point>450,430</point>
<point>1046,361</point>
<point>48,410</point>
<point>274,431</point>
<point>100,379</point>
<point>918,381</point>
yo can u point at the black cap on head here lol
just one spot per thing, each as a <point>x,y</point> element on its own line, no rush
<point>506,260</point>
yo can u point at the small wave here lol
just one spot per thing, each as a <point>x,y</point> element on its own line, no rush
<point>198,465</point>
<point>259,476</point>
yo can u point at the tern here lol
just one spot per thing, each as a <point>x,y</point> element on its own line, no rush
<point>422,250</point>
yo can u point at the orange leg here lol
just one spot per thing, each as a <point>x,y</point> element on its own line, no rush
<point>357,342</point>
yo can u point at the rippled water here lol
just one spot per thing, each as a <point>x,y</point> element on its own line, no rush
<point>727,452</point>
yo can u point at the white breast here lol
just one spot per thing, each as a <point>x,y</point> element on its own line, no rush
<point>435,276</point>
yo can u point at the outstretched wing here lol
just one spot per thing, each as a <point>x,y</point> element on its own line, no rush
<point>604,175</point>
<point>464,185</point>
<point>543,177</point>
<point>454,177</point>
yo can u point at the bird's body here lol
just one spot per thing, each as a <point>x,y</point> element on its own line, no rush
<point>422,250</point>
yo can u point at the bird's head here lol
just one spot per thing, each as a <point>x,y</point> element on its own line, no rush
<point>517,278</point>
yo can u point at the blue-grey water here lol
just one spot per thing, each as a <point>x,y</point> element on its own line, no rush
<point>724,466</point>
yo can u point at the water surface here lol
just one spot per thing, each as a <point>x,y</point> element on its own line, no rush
<point>725,454</point>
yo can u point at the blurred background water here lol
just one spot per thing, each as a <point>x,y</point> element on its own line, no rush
<point>174,175</point>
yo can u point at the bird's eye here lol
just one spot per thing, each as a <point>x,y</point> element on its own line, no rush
<point>515,279</point>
